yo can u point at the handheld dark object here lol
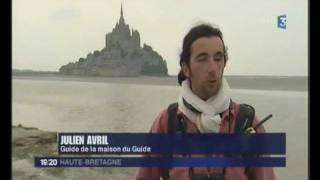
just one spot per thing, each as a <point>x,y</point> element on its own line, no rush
<point>253,129</point>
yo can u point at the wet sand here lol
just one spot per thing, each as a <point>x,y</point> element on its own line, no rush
<point>285,83</point>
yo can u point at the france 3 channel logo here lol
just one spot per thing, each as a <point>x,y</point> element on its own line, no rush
<point>282,21</point>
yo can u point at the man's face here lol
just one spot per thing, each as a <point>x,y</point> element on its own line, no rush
<point>206,66</point>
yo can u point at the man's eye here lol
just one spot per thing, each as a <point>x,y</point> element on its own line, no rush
<point>219,57</point>
<point>202,59</point>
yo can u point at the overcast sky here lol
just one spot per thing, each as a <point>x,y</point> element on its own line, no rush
<point>50,33</point>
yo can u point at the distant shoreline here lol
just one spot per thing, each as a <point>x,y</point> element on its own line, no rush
<point>285,83</point>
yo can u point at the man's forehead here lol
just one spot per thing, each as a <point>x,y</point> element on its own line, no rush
<point>213,43</point>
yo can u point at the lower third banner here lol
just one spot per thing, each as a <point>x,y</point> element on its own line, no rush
<point>44,162</point>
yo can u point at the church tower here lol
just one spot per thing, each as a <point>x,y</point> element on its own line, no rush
<point>121,21</point>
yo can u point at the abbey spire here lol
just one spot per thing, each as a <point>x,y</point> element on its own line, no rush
<point>121,10</point>
<point>121,20</point>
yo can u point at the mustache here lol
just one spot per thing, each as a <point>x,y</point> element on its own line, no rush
<point>213,78</point>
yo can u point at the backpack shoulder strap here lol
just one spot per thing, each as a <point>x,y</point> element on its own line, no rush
<point>174,122</point>
<point>245,118</point>
<point>172,128</point>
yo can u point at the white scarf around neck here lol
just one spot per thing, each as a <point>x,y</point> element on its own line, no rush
<point>209,119</point>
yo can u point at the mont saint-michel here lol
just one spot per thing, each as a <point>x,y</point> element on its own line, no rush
<point>121,56</point>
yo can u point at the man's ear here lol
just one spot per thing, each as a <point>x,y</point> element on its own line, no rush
<point>186,70</point>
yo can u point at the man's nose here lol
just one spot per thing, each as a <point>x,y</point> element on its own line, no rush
<point>212,65</point>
